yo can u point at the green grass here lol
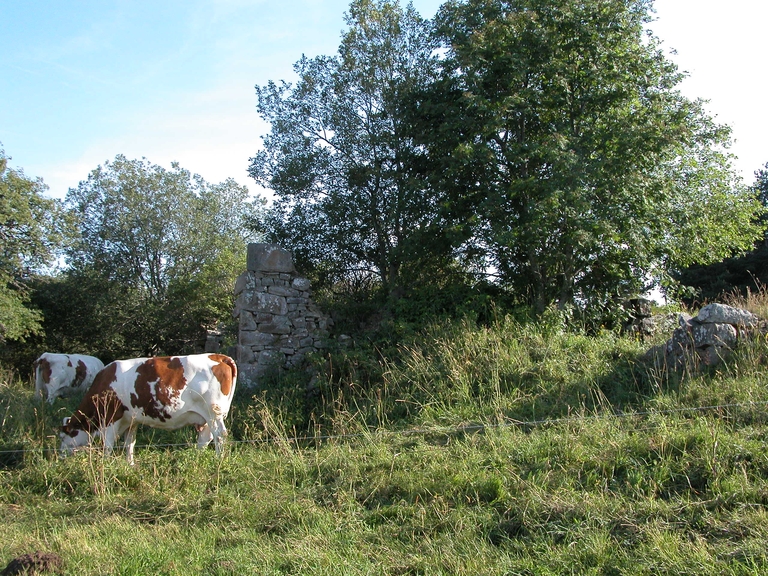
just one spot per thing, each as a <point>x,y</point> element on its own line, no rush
<point>512,449</point>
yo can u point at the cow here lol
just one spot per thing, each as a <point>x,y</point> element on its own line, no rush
<point>64,374</point>
<point>166,392</point>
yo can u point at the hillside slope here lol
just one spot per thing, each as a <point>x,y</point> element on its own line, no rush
<point>511,449</point>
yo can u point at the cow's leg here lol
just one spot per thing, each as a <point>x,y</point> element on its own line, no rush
<point>111,433</point>
<point>54,391</point>
<point>130,443</point>
<point>219,434</point>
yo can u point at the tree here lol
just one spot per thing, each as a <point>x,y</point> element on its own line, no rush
<point>158,253</point>
<point>559,136</point>
<point>339,158</point>
<point>701,283</point>
<point>32,229</point>
<point>761,188</point>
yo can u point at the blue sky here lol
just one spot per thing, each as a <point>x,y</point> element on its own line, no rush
<point>83,80</point>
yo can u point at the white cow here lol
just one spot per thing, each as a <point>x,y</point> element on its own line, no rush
<point>163,392</point>
<point>64,374</point>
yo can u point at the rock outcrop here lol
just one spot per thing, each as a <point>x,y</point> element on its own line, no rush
<point>709,337</point>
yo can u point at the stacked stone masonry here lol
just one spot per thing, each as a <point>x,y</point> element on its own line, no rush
<point>707,339</point>
<point>279,323</point>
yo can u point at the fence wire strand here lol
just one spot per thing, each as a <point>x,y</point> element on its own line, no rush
<point>446,430</point>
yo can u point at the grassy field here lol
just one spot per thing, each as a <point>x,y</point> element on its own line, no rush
<point>510,449</point>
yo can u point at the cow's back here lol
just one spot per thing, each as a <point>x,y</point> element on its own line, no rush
<point>86,368</point>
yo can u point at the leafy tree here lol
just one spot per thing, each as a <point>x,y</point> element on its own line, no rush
<point>158,253</point>
<point>339,157</point>
<point>761,188</point>
<point>559,137</point>
<point>32,229</point>
<point>701,283</point>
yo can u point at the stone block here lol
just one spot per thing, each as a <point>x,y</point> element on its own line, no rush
<point>267,304</point>
<point>712,355</point>
<point>247,321</point>
<point>289,342</point>
<point>245,355</point>
<point>724,314</point>
<point>271,358</point>
<point>714,335</point>
<point>255,338</point>
<point>301,284</point>
<point>282,291</point>
<point>248,375</point>
<point>242,302</point>
<point>244,281</point>
<point>279,325</point>
<point>269,258</point>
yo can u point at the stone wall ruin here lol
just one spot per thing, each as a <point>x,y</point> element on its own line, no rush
<point>279,324</point>
<point>707,339</point>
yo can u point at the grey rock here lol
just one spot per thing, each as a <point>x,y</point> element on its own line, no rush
<point>267,304</point>
<point>301,284</point>
<point>724,314</point>
<point>269,258</point>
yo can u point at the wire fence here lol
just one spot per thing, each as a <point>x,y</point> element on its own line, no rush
<point>443,430</point>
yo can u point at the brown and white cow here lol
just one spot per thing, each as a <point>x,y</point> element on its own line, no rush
<point>166,392</point>
<point>64,374</point>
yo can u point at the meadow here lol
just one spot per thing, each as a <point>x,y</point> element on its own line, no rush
<point>509,448</point>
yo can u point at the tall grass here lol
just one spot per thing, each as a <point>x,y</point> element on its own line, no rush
<point>458,372</point>
<point>756,301</point>
<point>507,449</point>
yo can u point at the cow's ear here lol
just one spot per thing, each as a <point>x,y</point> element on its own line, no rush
<point>65,422</point>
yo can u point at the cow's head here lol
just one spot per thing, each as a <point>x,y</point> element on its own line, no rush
<point>72,438</point>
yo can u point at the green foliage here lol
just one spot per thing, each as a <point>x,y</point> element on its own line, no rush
<point>338,157</point>
<point>32,230</point>
<point>155,263</point>
<point>546,145</point>
<point>85,313</point>
<point>560,139</point>
<point>739,274</point>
